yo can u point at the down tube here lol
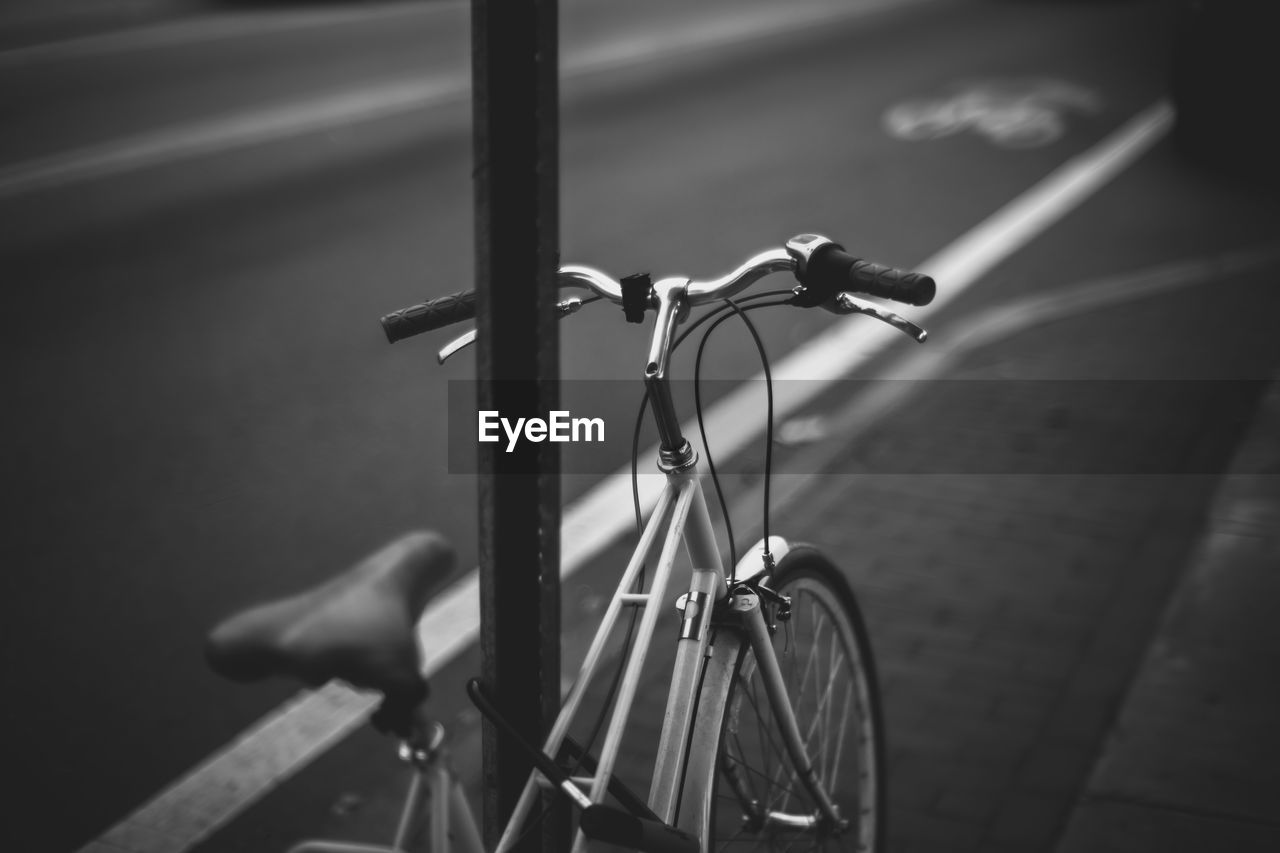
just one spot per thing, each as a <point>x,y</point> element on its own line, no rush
<point>657,524</point>
<point>706,587</point>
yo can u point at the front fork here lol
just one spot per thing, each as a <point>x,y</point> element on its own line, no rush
<point>744,611</point>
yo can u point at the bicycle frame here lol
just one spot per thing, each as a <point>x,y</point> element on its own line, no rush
<point>701,670</point>
<point>682,512</point>
<point>707,654</point>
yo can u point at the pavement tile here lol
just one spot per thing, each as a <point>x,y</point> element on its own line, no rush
<point>945,833</point>
<point>1028,820</point>
<point>1129,827</point>
<point>1056,768</point>
<point>968,802</point>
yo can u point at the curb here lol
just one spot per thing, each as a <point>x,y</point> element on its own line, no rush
<point>1189,762</point>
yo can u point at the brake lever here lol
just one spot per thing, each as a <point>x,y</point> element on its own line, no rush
<point>564,308</point>
<point>845,303</point>
<point>459,343</point>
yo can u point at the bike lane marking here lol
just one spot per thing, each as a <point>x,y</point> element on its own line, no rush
<point>1017,112</point>
<point>285,740</point>
<point>400,97</point>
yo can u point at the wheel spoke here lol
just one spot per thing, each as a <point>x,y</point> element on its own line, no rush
<point>833,781</point>
<point>822,714</point>
<point>762,775</point>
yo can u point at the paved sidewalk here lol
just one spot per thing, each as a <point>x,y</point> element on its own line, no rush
<point>1193,762</point>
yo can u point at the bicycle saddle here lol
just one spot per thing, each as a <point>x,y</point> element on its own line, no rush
<point>358,627</point>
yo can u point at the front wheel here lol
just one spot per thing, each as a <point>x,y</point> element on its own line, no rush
<point>825,657</point>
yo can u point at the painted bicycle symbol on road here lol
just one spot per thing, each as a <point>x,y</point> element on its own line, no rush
<point>1015,113</point>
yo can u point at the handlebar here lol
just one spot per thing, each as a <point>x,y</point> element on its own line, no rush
<point>822,268</point>
<point>425,316</point>
<point>830,270</point>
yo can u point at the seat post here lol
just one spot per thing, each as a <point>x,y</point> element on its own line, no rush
<point>403,713</point>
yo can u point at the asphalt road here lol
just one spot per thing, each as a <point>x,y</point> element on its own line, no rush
<point>202,408</point>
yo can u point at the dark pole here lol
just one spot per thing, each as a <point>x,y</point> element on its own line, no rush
<point>515,94</point>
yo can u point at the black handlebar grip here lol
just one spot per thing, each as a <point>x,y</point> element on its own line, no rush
<point>425,316</point>
<point>832,269</point>
<point>615,826</point>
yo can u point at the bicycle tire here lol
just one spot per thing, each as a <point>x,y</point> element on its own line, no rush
<point>845,733</point>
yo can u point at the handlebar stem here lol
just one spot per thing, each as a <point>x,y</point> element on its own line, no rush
<point>670,295</point>
<point>673,297</point>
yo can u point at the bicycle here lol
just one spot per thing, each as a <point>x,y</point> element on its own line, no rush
<point>746,752</point>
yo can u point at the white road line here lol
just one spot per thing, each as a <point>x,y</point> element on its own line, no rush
<point>212,28</point>
<point>1002,321</point>
<point>880,400</point>
<point>401,97</point>
<point>223,134</point>
<point>287,739</point>
<point>992,325</point>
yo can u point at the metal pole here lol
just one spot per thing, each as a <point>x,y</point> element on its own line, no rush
<point>515,115</point>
